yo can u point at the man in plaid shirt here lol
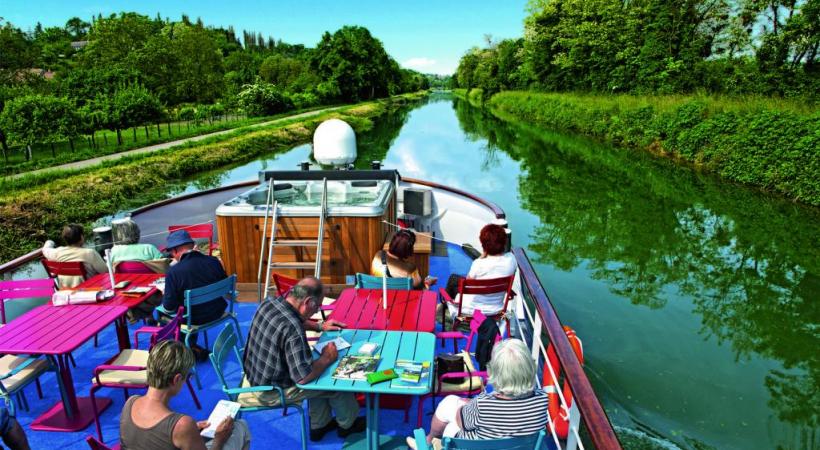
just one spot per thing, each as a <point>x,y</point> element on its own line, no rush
<point>278,354</point>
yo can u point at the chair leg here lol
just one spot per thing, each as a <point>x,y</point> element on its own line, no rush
<point>193,393</point>
<point>71,358</point>
<point>238,333</point>
<point>196,373</point>
<point>96,412</point>
<point>39,388</point>
<point>125,393</point>
<point>304,429</point>
<point>95,340</point>
<point>205,333</point>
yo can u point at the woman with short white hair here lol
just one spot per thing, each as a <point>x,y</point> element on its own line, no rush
<point>127,245</point>
<point>516,407</point>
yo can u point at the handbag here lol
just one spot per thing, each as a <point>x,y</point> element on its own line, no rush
<point>449,363</point>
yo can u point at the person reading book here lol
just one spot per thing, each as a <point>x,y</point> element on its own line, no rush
<point>277,354</point>
<point>148,423</point>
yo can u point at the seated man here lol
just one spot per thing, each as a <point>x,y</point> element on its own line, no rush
<point>11,432</point>
<point>516,407</point>
<point>74,238</point>
<point>277,353</point>
<point>192,270</point>
<point>148,422</point>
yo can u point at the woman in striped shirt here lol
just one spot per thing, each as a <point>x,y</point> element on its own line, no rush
<point>514,408</point>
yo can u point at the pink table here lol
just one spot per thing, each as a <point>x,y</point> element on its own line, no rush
<point>406,310</point>
<point>57,331</point>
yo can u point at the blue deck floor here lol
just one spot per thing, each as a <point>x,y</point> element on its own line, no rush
<point>268,428</point>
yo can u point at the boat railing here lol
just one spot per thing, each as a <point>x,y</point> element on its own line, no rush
<point>8,268</point>
<point>540,328</point>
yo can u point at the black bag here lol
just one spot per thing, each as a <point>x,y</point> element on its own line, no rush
<point>486,335</point>
<point>449,363</point>
<point>452,285</point>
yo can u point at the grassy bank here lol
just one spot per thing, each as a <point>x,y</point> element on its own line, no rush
<point>769,143</point>
<point>32,210</point>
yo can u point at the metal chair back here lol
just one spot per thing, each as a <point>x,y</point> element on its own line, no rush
<point>14,289</point>
<point>364,281</point>
<point>68,268</point>
<point>132,267</point>
<point>198,231</point>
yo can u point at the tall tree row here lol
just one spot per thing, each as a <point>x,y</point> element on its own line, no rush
<point>656,46</point>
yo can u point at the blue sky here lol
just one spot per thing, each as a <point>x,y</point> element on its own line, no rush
<point>429,36</point>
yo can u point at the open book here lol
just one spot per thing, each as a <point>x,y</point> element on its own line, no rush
<point>223,409</point>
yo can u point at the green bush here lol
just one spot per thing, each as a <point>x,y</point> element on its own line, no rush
<point>767,143</point>
<point>263,99</point>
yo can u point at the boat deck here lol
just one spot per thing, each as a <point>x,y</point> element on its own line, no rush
<point>265,426</point>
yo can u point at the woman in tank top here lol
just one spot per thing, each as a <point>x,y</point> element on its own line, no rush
<point>147,422</point>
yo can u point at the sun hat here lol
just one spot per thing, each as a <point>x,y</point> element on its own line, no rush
<point>177,238</point>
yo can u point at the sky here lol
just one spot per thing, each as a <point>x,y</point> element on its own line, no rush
<point>428,36</point>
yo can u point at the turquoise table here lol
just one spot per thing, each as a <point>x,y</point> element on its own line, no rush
<point>393,345</point>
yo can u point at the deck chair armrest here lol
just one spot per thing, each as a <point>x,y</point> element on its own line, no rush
<point>144,330</point>
<point>330,307</point>
<point>445,297</point>
<point>450,335</point>
<point>244,390</point>
<point>481,374</point>
<point>19,367</point>
<point>421,439</point>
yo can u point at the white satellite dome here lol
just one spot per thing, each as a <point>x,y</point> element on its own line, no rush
<point>334,143</point>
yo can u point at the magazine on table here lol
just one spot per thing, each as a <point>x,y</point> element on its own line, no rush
<point>340,342</point>
<point>355,367</point>
<point>412,374</point>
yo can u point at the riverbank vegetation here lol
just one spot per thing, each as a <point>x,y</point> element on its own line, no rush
<point>732,87</point>
<point>32,212</point>
<point>61,87</point>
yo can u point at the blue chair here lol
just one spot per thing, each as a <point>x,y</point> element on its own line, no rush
<point>370,282</point>
<point>534,441</point>
<point>225,288</point>
<point>227,341</point>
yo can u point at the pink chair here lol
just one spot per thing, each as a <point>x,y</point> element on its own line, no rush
<point>126,370</point>
<point>199,231</point>
<point>283,285</point>
<point>94,444</point>
<point>70,269</point>
<point>18,371</point>
<point>474,380</point>
<point>132,267</point>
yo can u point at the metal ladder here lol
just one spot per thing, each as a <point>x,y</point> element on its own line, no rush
<point>271,211</point>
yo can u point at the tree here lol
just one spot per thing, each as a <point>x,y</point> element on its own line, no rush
<point>77,28</point>
<point>355,61</point>
<point>112,40</point>
<point>32,119</point>
<point>16,53</point>
<point>290,74</point>
<point>134,106</point>
<point>200,76</point>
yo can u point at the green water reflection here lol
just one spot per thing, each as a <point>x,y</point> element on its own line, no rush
<point>653,234</point>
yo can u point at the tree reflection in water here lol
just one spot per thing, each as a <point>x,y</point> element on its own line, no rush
<point>643,226</point>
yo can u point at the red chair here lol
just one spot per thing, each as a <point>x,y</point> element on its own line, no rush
<point>126,370</point>
<point>132,267</point>
<point>482,287</point>
<point>283,285</point>
<point>199,231</point>
<point>70,269</point>
<point>474,380</point>
<point>94,444</point>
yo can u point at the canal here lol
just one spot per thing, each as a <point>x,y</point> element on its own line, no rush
<point>696,299</point>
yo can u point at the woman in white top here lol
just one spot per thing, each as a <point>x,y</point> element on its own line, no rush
<point>495,262</point>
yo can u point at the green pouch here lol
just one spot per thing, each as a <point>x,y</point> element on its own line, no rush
<point>382,375</point>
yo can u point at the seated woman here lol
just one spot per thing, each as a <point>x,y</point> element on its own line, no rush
<point>514,408</point>
<point>495,262</point>
<point>397,259</point>
<point>147,423</point>
<point>127,247</point>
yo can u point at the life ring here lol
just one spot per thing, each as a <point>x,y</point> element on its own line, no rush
<point>559,414</point>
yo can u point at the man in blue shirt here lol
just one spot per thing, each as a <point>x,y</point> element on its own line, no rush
<point>192,270</point>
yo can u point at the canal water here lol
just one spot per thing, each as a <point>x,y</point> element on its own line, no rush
<point>696,300</point>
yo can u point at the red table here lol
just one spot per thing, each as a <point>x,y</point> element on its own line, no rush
<point>103,281</point>
<point>56,332</point>
<point>406,310</point>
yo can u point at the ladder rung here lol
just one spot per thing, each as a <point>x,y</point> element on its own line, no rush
<point>296,242</point>
<point>293,265</point>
